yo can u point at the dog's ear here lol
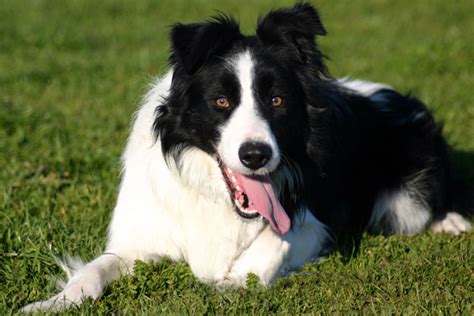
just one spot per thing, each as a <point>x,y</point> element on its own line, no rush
<point>194,44</point>
<point>296,27</point>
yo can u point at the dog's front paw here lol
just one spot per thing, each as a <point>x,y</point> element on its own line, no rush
<point>230,282</point>
<point>52,305</point>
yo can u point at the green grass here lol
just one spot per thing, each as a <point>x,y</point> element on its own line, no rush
<point>72,74</point>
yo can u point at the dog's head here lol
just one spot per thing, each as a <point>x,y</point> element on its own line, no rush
<point>243,99</point>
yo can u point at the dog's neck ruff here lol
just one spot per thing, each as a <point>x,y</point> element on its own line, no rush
<point>254,196</point>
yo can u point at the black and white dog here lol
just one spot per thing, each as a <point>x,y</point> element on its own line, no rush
<point>247,158</point>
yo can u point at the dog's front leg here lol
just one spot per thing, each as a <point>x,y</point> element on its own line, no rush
<point>264,258</point>
<point>271,254</point>
<point>85,281</point>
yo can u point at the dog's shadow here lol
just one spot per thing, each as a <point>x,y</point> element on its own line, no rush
<point>348,245</point>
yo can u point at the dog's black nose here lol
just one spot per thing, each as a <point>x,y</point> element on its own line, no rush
<point>255,155</point>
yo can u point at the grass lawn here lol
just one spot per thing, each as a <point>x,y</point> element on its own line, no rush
<point>72,74</point>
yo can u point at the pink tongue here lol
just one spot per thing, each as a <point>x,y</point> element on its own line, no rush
<point>262,198</point>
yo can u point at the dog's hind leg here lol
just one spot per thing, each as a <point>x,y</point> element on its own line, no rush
<point>414,206</point>
<point>407,209</point>
<point>398,212</point>
<point>85,280</point>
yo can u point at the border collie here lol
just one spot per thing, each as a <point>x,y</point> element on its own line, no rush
<point>247,157</point>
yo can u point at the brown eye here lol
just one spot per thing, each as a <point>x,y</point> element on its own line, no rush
<point>277,101</point>
<point>222,102</point>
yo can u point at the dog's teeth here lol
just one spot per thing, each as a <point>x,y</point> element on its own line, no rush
<point>233,179</point>
<point>238,188</point>
<point>250,211</point>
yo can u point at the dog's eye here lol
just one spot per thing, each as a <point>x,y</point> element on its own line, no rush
<point>277,101</point>
<point>222,102</point>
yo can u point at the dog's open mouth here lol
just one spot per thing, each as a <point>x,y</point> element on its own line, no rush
<point>254,196</point>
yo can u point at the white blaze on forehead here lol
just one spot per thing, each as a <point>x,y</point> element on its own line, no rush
<point>245,124</point>
<point>244,67</point>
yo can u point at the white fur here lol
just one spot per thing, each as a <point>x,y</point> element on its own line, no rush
<point>453,224</point>
<point>246,124</point>
<point>365,88</point>
<point>405,215</point>
<point>188,215</point>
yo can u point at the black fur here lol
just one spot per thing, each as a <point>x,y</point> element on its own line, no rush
<point>343,148</point>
